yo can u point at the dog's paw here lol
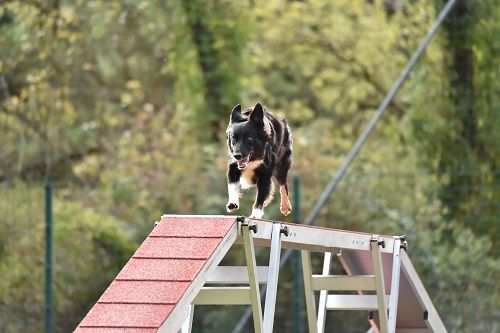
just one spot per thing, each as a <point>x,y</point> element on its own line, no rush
<point>231,207</point>
<point>257,213</point>
<point>286,208</point>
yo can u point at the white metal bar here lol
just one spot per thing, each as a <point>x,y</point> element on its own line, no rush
<point>323,294</point>
<point>309,291</point>
<point>199,216</point>
<point>433,321</point>
<point>379,283</point>
<point>223,296</point>
<point>317,239</point>
<point>343,282</point>
<point>352,302</point>
<point>393,299</point>
<point>252,278</point>
<point>236,275</point>
<point>188,323</point>
<point>272,278</point>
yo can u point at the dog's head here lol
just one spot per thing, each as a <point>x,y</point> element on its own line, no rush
<point>247,134</point>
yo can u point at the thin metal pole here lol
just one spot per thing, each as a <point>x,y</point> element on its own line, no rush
<point>376,117</point>
<point>49,317</point>
<point>299,320</point>
<point>361,140</point>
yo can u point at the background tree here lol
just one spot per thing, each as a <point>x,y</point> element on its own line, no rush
<point>123,104</point>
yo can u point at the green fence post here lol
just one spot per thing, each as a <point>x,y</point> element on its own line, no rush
<point>49,317</point>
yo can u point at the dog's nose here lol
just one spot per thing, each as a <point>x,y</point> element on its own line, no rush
<point>237,156</point>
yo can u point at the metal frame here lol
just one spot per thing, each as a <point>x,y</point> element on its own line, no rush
<point>370,283</point>
<point>272,279</point>
<point>385,305</point>
<point>188,323</point>
<point>309,292</point>
<point>250,276</point>
<point>393,300</point>
<point>323,294</point>
<point>316,239</point>
<point>379,282</point>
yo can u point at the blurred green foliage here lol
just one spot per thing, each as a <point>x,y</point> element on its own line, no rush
<point>123,104</point>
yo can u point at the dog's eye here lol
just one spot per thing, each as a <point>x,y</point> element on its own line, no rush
<point>233,141</point>
<point>250,139</point>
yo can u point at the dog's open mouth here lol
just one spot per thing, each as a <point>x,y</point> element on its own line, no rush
<point>242,164</point>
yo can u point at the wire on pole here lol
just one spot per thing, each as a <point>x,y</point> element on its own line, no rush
<point>332,185</point>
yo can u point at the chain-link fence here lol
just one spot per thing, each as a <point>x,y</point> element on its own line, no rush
<point>93,240</point>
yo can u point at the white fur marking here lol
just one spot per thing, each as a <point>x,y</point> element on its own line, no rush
<point>233,189</point>
<point>247,174</point>
<point>257,213</point>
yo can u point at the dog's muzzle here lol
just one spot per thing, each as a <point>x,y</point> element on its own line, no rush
<point>242,163</point>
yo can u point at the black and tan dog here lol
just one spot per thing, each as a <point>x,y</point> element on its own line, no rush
<point>260,147</point>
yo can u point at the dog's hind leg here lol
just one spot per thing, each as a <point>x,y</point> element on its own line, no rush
<point>264,187</point>
<point>233,187</point>
<point>281,176</point>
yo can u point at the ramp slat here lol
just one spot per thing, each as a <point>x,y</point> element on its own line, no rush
<point>127,315</point>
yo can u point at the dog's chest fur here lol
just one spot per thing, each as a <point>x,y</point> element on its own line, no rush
<point>247,175</point>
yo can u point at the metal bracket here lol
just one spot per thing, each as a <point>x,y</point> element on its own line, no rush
<point>241,220</point>
<point>284,230</point>
<point>378,240</point>
<point>404,243</point>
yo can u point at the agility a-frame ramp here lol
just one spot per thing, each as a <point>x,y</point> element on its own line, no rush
<point>177,268</point>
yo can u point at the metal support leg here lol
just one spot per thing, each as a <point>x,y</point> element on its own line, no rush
<point>272,278</point>
<point>393,300</point>
<point>252,278</point>
<point>188,323</point>
<point>323,294</point>
<point>379,282</point>
<point>309,292</point>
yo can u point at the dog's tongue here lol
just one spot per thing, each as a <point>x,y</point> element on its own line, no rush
<point>243,163</point>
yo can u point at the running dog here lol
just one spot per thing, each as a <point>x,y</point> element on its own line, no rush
<point>260,147</point>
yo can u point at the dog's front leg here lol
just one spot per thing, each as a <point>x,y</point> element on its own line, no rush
<point>263,191</point>
<point>233,187</point>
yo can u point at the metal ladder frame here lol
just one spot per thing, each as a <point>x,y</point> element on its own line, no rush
<point>249,277</point>
<point>385,305</point>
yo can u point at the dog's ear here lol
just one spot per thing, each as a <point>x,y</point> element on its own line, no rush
<point>236,115</point>
<point>257,115</point>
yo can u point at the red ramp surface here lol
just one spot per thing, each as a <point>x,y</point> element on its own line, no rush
<point>160,273</point>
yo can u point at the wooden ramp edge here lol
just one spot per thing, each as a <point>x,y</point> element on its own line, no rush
<point>157,285</point>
